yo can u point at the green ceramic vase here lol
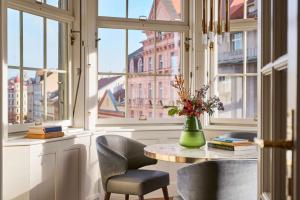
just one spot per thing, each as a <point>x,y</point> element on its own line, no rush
<point>192,136</point>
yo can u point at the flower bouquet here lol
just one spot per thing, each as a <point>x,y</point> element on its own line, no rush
<point>193,106</point>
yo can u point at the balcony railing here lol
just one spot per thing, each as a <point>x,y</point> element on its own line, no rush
<point>238,55</point>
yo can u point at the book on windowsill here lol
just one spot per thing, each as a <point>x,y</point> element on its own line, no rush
<point>44,129</point>
<point>232,146</point>
<point>230,140</point>
<point>45,136</point>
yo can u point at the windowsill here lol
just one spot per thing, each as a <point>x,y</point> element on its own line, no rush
<point>18,139</point>
<point>234,128</point>
<point>133,128</point>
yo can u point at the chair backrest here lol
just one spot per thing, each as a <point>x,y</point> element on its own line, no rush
<point>117,154</point>
<point>219,180</point>
<point>242,135</point>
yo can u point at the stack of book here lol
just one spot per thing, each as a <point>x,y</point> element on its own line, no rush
<point>231,144</point>
<point>44,132</point>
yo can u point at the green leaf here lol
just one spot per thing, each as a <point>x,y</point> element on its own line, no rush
<point>173,111</point>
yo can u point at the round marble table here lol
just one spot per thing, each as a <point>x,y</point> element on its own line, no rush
<point>177,153</point>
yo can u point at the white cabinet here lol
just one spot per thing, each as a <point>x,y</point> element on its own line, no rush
<point>68,168</point>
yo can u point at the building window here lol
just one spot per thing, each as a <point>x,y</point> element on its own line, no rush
<point>160,90</point>
<point>235,75</point>
<point>38,61</point>
<point>149,90</point>
<point>161,62</point>
<point>142,50</point>
<point>150,64</point>
<point>173,58</point>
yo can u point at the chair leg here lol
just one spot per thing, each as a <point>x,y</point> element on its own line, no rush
<point>165,192</point>
<point>126,196</point>
<point>141,197</point>
<point>107,196</point>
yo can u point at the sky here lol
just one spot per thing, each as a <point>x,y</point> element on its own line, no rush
<point>112,44</point>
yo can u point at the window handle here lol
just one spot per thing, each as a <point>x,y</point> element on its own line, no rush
<point>142,18</point>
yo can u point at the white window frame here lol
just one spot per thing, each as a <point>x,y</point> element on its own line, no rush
<point>237,25</point>
<point>151,25</point>
<point>57,14</point>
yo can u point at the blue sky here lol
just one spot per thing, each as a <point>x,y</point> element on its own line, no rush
<point>112,44</point>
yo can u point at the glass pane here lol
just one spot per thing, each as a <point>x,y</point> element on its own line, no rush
<point>111,96</point>
<point>56,45</point>
<point>13,36</point>
<point>166,95</point>
<point>251,94</point>
<point>14,94</point>
<point>252,51</point>
<point>58,3</point>
<point>33,35</point>
<point>251,8</point>
<point>236,9</point>
<point>138,47</point>
<point>169,10</point>
<point>230,91</point>
<point>112,8</point>
<point>141,9</point>
<point>56,90</point>
<point>168,52</point>
<point>140,97</point>
<point>231,55</point>
<point>34,88</point>
<point>112,50</point>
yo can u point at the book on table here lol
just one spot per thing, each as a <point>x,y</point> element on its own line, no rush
<point>44,129</point>
<point>232,146</point>
<point>44,132</point>
<point>230,140</point>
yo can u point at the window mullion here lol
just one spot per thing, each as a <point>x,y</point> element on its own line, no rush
<point>21,70</point>
<point>45,67</point>
<point>155,79</point>
<point>244,76</point>
<point>126,76</point>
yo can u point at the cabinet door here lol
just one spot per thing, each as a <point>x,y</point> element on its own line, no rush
<point>42,177</point>
<point>68,175</point>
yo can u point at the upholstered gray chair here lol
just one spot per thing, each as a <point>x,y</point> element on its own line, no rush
<point>241,135</point>
<point>218,180</point>
<point>120,159</point>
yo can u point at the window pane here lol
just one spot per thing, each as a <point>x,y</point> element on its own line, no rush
<point>56,45</point>
<point>14,94</point>
<point>236,9</point>
<point>141,9</point>
<point>252,51</point>
<point>34,87</point>
<point>166,95</point>
<point>111,96</point>
<point>251,8</point>
<point>112,8</point>
<point>139,46</point>
<point>13,36</point>
<point>112,50</point>
<point>58,3</point>
<point>168,52</point>
<point>251,95</point>
<point>56,91</point>
<point>140,97</point>
<point>230,91</point>
<point>231,55</point>
<point>169,10</point>
<point>33,41</point>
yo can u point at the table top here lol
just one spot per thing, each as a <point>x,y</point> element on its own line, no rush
<point>177,153</point>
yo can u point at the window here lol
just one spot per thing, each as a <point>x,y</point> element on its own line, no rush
<point>173,58</point>
<point>37,67</point>
<point>165,10</point>
<point>150,64</point>
<point>133,55</point>
<point>235,75</point>
<point>161,62</point>
<point>150,91</point>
